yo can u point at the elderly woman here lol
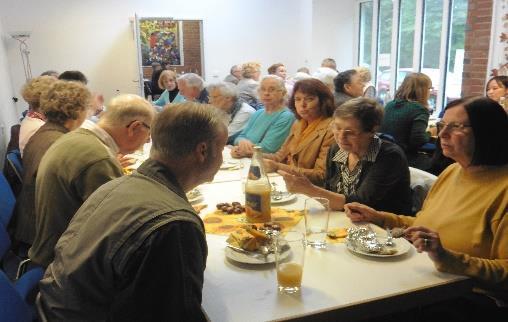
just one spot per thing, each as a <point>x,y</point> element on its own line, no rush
<point>65,105</point>
<point>406,117</point>
<point>268,127</point>
<point>360,167</point>
<point>497,89</point>
<point>278,69</point>
<point>248,85</point>
<point>348,85</point>
<point>307,145</point>
<point>34,119</point>
<point>463,224</point>
<point>167,80</point>
<point>236,114</point>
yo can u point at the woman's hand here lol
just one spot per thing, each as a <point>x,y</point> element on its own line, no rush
<point>270,165</point>
<point>426,240</point>
<point>125,161</point>
<point>246,147</point>
<point>235,152</point>
<point>358,212</point>
<point>295,182</point>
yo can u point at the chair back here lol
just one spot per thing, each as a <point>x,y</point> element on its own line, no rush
<point>14,160</point>
<point>5,242</point>
<point>420,183</point>
<point>7,201</point>
<point>12,305</point>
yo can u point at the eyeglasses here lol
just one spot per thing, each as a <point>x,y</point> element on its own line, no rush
<point>142,123</point>
<point>452,126</point>
<point>346,133</point>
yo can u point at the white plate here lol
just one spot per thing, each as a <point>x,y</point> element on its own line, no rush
<point>401,245</point>
<point>194,196</point>
<point>253,257</point>
<point>229,164</point>
<point>285,198</point>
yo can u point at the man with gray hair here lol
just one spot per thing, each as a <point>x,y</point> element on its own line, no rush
<point>192,87</point>
<point>236,114</point>
<point>136,249</point>
<point>235,74</point>
<point>81,161</point>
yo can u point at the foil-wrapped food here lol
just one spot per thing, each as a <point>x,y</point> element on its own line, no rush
<point>365,240</point>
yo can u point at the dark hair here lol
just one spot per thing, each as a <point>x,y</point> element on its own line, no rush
<point>315,87</point>
<point>367,111</point>
<point>489,123</point>
<point>500,80</point>
<point>273,69</point>
<point>73,75</point>
<point>342,79</point>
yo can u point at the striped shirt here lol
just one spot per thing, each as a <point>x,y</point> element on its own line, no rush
<point>348,181</point>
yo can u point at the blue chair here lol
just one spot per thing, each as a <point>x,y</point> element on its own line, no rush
<point>5,242</point>
<point>7,201</point>
<point>13,297</point>
<point>14,160</point>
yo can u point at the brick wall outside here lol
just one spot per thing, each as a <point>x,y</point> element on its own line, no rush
<point>191,50</point>
<point>477,42</point>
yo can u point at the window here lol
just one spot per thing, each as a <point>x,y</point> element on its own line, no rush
<point>428,37</point>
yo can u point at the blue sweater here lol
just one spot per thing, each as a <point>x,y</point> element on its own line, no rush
<point>268,131</point>
<point>164,99</point>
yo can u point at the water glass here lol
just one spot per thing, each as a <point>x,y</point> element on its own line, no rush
<point>317,215</point>
<point>289,260</point>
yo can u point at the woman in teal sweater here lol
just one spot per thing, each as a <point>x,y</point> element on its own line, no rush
<point>167,80</point>
<point>406,118</point>
<point>268,127</point>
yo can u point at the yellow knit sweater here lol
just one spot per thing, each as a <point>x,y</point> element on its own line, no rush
<point>468,210</point>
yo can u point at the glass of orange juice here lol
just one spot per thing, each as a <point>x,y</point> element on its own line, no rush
<point>289,260</point>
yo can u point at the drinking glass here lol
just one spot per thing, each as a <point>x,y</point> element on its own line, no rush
<point>317,215</point>
<point>289,260</point>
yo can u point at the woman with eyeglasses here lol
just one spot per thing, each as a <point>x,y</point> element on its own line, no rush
<point>463,225</point>
<point>407,116</point>
<point>267,127</point>
<point>306,147</point>
<point>360,167</point>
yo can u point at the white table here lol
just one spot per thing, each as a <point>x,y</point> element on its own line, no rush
<point>337,284</point>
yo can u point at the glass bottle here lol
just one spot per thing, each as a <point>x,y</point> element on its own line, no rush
<point>257,191</point>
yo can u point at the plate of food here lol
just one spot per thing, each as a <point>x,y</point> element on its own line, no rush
<point>363,241</point>
<point>194,196</point>
<point>282,197</point>
<point>249,245</point>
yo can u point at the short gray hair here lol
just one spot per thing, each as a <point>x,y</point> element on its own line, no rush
<point>367,111</point>
<point>192,80</point>
<point>179,129</point>
<point>125,108</point>
<point>225,88</point>
<point>280,81</point>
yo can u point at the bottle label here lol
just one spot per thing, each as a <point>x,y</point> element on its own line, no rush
<point>253,201</point>
<point>254,173</point>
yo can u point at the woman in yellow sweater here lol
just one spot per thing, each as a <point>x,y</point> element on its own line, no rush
<point>463,224</point>
<point>306,147</point>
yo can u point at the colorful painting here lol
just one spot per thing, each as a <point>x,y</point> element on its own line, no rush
<point>160,41</point>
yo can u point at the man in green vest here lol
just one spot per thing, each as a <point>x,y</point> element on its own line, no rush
<point>136,249</point>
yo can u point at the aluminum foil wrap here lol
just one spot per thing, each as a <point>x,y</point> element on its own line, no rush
<point>363,239</point>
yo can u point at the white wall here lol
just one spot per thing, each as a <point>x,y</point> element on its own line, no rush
<point>334,32</point>
<point>7,109</point>
<point>96,36</point>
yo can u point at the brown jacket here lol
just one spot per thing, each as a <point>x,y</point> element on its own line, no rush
<point>308,157</point>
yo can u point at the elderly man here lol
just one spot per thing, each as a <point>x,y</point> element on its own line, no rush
<point>235,74</point>
<point>81,161</point>
<point>192,87</point>
<point>236,113</point>
<point>136,249</point>
<point>348,85</point>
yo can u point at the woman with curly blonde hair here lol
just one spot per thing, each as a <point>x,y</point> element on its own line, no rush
<point>65,105</point>
<point>31,93</point>
<point>248,86</point>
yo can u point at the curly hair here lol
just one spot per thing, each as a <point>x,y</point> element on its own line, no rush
<point>33,89</point>
<point>315,87</point>
<point>250,68</point>
<point>64,100</point>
